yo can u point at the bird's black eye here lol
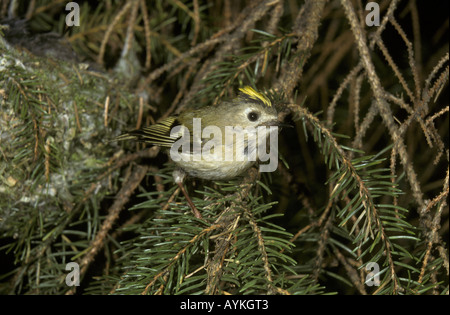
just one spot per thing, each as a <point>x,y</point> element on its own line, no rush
<point>253,116</point>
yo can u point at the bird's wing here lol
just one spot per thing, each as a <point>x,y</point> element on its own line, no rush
<point>157,134</point>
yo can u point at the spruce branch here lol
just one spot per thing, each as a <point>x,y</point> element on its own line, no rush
<point>381,103</point>
<point>371,187</point>
<point>178,255</point>
<point>122,198</point>
<point>347,176</point>
<point>306,27</point>
<point>228,220</point>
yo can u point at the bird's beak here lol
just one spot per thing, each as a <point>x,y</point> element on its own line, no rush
<point>277,123</point>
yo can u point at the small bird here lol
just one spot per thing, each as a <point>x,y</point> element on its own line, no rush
<point>214,142</point>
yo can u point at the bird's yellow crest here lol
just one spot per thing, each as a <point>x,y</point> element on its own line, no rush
<point>252,94</point>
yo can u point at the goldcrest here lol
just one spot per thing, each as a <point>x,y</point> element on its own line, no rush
<point>215,142</point>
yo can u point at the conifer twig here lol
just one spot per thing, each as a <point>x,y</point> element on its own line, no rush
<point>113,213</point>
<point>381,103</point>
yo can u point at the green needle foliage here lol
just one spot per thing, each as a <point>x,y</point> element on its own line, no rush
<point>378,230</point>
<point>358,204</point>
<point>237,250</point>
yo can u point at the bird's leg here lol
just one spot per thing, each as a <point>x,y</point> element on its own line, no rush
<point>178,176</point>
